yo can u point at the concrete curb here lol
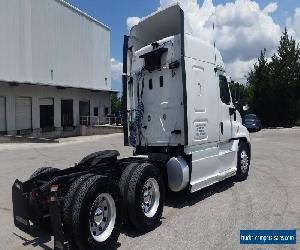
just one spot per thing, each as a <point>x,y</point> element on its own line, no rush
<point>100,130</point>
<point>23,139</point>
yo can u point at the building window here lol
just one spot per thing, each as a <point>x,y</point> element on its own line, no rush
<point>84,108</point>
<point>96,111</point>
<point>106,111</point>
<point>67,116</point>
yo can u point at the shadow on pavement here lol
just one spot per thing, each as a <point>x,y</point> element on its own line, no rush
<point>132,232</point>
<point>187,199</point>
<point>40,240</point>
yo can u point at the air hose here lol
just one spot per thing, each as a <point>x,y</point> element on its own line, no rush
<point>136,124</point>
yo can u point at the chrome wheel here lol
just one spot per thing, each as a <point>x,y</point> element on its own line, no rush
<point>150,197</point>
<point>102,217</point>
<point>244,161</point>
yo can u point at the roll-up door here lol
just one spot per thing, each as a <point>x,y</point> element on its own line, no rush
<point>23,113</point>
<point>2,114</point>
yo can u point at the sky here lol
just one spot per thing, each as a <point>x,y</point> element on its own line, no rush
<point>242,27</point>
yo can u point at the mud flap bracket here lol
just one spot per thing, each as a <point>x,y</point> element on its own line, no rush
<point>56,221</point>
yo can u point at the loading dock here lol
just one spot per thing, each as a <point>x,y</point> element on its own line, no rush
<point>36,110</point>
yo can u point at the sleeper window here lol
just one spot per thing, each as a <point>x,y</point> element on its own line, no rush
<point>150,84</point>
<point>224,90</point>
<point>161,81</point>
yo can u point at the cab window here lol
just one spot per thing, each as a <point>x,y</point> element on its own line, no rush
<point>224,90</point>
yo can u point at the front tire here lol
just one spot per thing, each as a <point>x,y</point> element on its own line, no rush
<point>145,197</point>
<point>96,214</point>
<point>243,161</point>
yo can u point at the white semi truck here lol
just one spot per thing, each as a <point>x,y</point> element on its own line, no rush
<point>180,118</point>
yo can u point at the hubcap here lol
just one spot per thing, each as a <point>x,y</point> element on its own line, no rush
<point>98,217</point>
<point>150,197</point>
<point>102,217</point>
<point>244,161</point>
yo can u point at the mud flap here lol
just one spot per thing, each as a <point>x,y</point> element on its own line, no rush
<point>56,221</point>
<point>20,207</point>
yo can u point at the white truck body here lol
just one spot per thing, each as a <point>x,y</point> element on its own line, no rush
<point>181,82</point>
<point>186,131</point>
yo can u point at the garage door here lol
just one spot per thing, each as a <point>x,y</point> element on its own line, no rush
<point>23,113</point>
<point>2,114</point>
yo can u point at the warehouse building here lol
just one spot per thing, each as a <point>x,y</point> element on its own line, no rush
<point>54,67</point>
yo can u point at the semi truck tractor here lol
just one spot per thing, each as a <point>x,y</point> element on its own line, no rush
<point>184,126</point>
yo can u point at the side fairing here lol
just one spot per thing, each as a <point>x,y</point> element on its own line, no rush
<point>202,84</point>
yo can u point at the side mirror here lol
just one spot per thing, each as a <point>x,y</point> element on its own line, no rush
<point>237,97</point>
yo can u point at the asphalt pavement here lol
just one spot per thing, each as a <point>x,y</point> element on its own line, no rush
<point>209,219</point>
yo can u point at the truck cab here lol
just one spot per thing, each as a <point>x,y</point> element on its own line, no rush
<point>178,99</point>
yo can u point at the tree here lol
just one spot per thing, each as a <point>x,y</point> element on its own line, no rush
<point>259,84</point>
<point>245,94</point>
<point>274,87</point>
<point>285,75</point>
<point>116,103</point>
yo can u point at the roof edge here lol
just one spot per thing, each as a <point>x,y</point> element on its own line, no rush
<point>161,9</point>
<point>55,86</point>
<point>77,10</point>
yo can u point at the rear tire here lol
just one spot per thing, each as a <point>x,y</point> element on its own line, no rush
<point>243,161</point>
<point>124,183</point>
<point>68,203</point>
<point>145,197</point>
<point>96,214</point>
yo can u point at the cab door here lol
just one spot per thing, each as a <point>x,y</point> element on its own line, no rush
<point>225,107</point>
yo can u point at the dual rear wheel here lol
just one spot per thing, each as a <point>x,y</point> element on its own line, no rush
<point>92,219</point>
<point>143,193</point>
<point>96,214</point>
<point>95,206</point>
